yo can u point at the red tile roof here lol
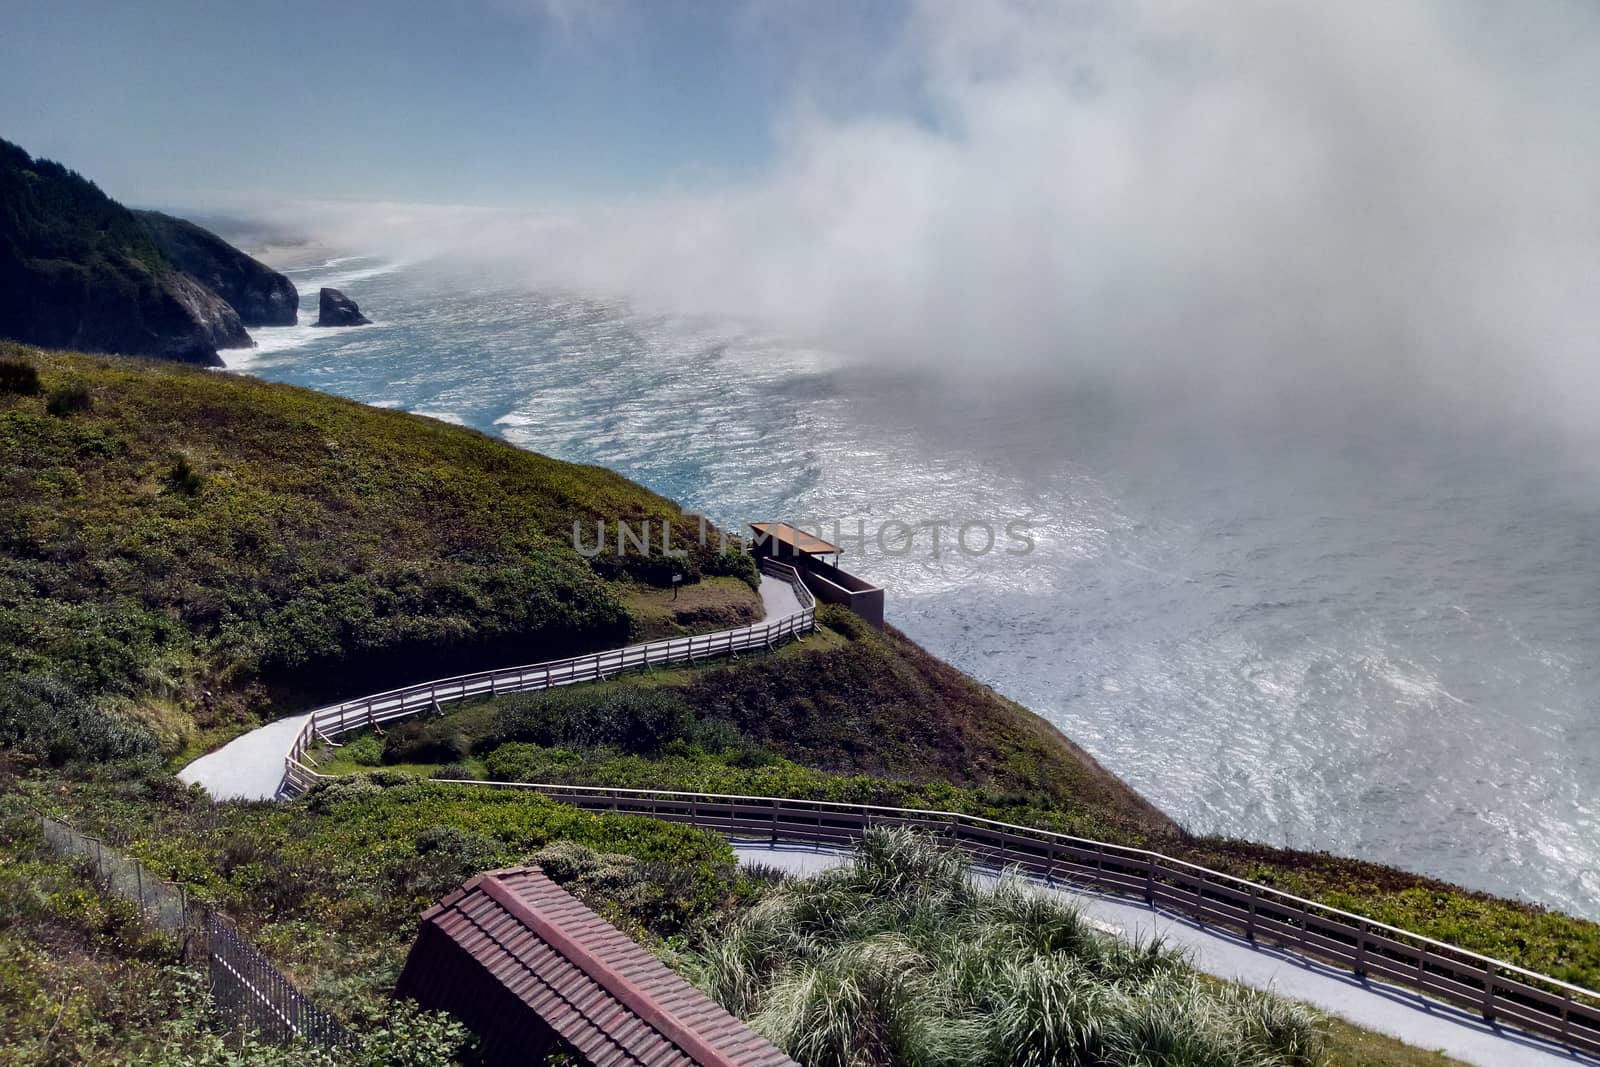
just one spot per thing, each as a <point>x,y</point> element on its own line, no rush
<point>517,957</point>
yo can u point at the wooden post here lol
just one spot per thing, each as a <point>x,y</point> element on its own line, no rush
<point>1361,950</point>
<point>1488,992</point>
<point>1250,922</point>
<point>1150,881</point>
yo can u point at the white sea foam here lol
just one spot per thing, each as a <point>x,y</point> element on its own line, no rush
<point>442,416</point>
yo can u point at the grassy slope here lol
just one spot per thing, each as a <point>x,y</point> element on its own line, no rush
<point>711,604</point>
<point>897,957</point>
<point>197,531</point>
<point>861,717</point>
<point>272,545</point>
<point>331,887</point>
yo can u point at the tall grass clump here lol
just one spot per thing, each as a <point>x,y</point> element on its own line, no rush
<point>66,399</point>
<point>901,957</point>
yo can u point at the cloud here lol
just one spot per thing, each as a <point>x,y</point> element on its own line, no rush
<point>1245,196</point>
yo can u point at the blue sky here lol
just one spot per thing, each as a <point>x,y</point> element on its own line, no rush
<point>1257,193</point>
<point>481,101</point>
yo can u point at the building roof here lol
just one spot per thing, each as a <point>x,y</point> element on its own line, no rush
<point>516,932</point>
<point>796,540</point>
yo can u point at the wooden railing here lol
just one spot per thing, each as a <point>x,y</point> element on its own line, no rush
<point>1500,991</point>
<point>364,712</point>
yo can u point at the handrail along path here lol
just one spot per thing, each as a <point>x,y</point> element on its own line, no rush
<point>1498,990</point>
<point>335,720</point>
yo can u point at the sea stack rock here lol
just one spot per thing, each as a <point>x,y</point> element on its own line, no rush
<point>339,310</point>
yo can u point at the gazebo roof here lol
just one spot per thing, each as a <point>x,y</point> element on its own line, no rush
<point>796,540</point>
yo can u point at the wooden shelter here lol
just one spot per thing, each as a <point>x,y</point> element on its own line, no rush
<point>531,970</point>
<point>783,540</point>
<point>827,582</point>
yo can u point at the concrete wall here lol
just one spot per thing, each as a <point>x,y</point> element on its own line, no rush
<point>830,585</point>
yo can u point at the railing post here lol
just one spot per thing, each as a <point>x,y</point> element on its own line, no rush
<point>1488,992</point>
<point>1361,950</point>
<point>1150,881</point>
<point>1250,920</point>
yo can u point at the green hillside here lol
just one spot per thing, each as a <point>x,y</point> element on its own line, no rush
<point>185,550</point>
<point>184,553</point>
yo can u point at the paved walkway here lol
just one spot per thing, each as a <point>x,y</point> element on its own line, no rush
<point>250,767</point>
<point>1373,1005</point>
<point>778,596</point>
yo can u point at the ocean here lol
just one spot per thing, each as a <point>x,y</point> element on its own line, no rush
<point>1374,635</point>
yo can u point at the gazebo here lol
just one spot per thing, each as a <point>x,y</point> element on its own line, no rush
<point>806,552</point>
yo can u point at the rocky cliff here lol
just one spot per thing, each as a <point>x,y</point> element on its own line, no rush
<point>260,295</point>
<point>78,270</point>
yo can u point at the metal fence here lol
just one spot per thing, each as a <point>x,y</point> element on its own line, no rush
<point>1501,992</point>
<point>248,990</point>
<point>161,903</point>
<point>254,995</point>
<point>371,711</point>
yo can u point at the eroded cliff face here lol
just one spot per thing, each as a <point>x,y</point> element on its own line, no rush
<point>215,322</point>
<point>260,295</point>
<point>80,271</point>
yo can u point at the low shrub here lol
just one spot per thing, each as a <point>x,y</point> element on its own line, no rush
<point>734,563</point>
<point>418,741</point>
<point>633,720</point>
<point>901,956</point>
<point>44,717</point>
<point>18,378</point>
<point>366,750</point>
<point>184,478</point>
<point>454,772</point>
<point>69,398</point>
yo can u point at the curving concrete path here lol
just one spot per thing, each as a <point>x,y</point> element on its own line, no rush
<point>1386,1009</point>
<point>250,767</point>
